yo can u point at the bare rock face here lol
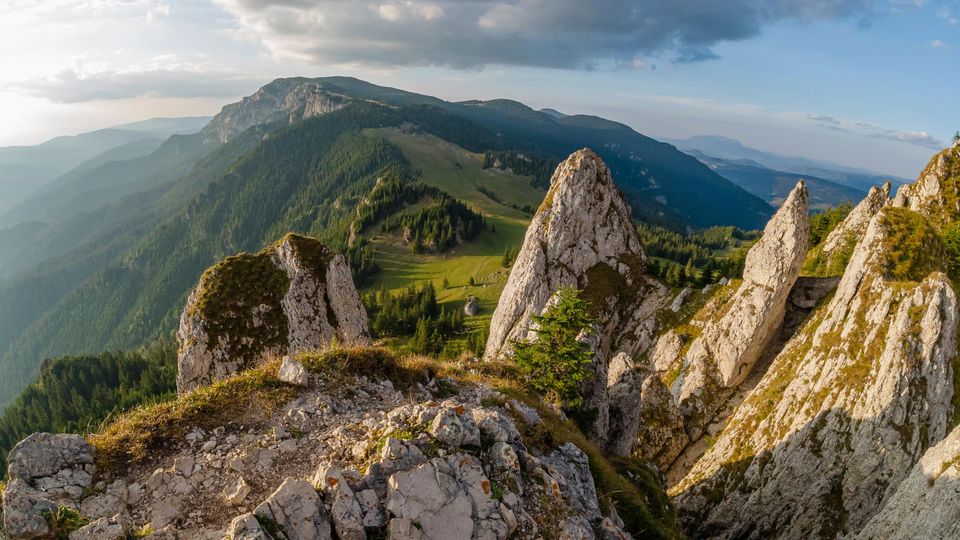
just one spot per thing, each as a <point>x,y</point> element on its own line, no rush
<point>742,323</point>
<point>283,99</point>
<point>846,408</point>
<point>855,224</point>
<point>925,504</point>
<point>934,194</point>
<point>292,297</point>
<point>582,236</point>
<point>46,471</point>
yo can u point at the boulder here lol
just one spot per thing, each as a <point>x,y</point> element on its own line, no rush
<point>113,528</point>
<point>46,471</point>
<point>294,296</point>
<point>246,527</point>
<point>293,372</point>
<point>296,508</point>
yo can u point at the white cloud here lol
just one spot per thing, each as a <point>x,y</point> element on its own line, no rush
<point>938,44</point>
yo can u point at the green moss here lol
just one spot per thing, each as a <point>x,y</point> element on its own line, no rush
<point>316,255</point>
<point>605,287</point>
<point>230,292</point>
<point>912,248</point>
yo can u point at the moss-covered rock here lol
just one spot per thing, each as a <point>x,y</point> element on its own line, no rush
<point>293,296</point>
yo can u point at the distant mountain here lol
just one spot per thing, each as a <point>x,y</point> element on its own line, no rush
<point>26,169</point>
<point>774,186</point>
<point>553,112</point>
<point>732,149</point>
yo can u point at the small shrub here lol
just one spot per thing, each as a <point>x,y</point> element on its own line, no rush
<point>557,362</point>
<point>64,521</point>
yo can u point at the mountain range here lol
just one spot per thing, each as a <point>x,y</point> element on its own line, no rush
<point>26,170</point>
<point>102,255</point>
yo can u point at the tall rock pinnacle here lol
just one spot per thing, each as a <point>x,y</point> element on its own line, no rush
<point>582,236</point>
<point>738,327</point>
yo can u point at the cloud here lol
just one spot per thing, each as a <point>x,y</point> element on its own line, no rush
<point>72,86</point>
<point>938,44</point>
<point>919,138</point>
<point>469,34</point>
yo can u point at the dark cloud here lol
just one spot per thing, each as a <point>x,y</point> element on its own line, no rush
<point>549,33</point>
<point>69,86</point>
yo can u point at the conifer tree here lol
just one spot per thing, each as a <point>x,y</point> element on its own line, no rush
<point>556,362</point>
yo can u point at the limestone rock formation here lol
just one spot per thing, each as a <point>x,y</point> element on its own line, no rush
<point>294,296</point>
<point>582,236</point>
<point>741,322</point>
<point>935,193</point>
<point>287,100</point>
<point>851,229</point>
<point>925,504</point>
<point>847,407</point>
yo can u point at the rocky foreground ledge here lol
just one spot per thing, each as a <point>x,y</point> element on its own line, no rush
<point>350,444</point>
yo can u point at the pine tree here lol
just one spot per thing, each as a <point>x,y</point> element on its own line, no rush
<point>556,362</point>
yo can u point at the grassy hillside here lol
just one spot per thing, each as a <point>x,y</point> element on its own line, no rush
<point>460,173</point>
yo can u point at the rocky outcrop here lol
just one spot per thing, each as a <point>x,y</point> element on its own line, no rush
<point>831,256</point>
<point>925,504</point>
<point>582,236</point>
<point>851,229</point>
<point>351,459</point>
<point>846,408</point>
<point>287,100</point>
<point>728,337</point>
<point>46,472</point>
<point>936,193</point>
<point>294,296</point>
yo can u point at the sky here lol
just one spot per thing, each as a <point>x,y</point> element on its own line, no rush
<point>868,83</point>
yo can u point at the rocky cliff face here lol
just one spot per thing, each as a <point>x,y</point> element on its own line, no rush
<point>845,410</point>
<point>925,504</point>
<point>718,350</point>
<point>936,194</point>
<point>581,236</point>
<point>852,228</point>
<point>294,296</point>
<point>288,100</point>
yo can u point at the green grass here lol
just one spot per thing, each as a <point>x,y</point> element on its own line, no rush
<point>459,173</point>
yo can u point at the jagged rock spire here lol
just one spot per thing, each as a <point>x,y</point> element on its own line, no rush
<point>855,224</point>
<point>581,236</point>
<point>739,326</point>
